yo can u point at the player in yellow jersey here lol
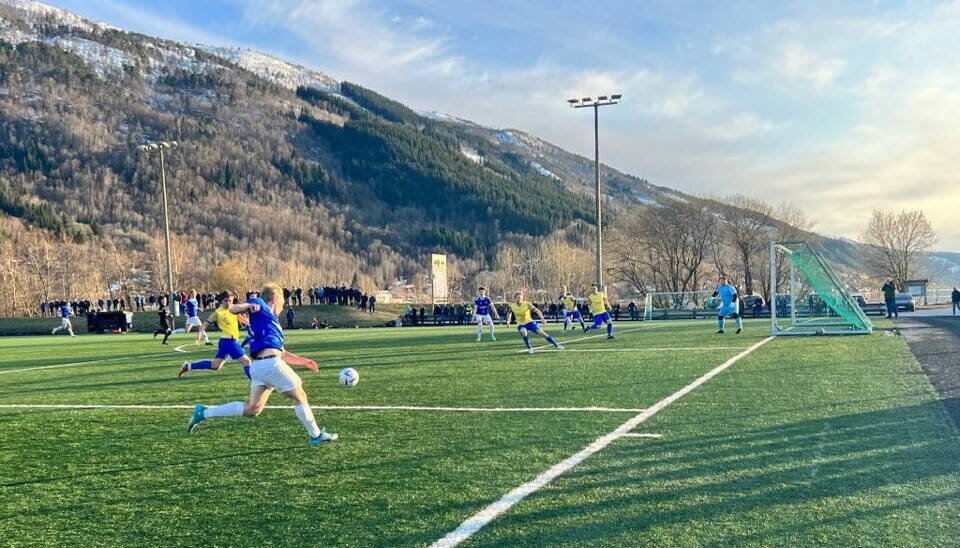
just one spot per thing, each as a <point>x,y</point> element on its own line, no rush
<point>523,311</point>
<point>570,311</point>
<point>229,345</point>
<point>598,307</point>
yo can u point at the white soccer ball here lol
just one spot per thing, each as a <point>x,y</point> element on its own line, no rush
<point>349,377</point>
<point>821,331</point>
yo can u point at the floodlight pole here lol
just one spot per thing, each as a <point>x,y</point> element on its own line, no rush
<point>161,146</point>
<point>601,101</point>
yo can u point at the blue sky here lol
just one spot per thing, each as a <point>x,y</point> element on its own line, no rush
<point>839,107</point>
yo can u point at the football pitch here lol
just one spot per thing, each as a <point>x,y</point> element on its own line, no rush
<point>669,435</point>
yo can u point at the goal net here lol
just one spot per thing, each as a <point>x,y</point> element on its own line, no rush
<point>663,305</point>
<point>810,298</point>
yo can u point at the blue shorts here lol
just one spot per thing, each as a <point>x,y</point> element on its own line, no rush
<point>532,326</point>
<point>600,318</point>
<point>229,347</point>
<point>726,310</point>
<point>575,314</point>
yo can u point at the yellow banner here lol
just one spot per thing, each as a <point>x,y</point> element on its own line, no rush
<point>438,275</point>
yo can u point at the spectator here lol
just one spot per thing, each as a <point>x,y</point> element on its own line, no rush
<point>890,298</point>
<point>758,306</point>
<point>955,299</point>
<point>372,304</point>
<point>632,310</point>
<point>290,315</point>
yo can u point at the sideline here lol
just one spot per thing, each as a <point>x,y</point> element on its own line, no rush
<point>488,514</point>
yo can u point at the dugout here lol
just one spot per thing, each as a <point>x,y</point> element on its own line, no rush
<point>109,322</point>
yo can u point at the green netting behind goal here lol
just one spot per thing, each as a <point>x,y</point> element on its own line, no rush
<point>816,302</point>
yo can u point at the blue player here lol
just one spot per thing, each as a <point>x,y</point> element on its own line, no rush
<point>193,320</point>
<point>268,371</point>
<point>64,319</point>
<point>598,307</point>
<point>570,311</point>
<point>523,311</point>
<point>228,346</point>
<point>484,313</point>
<point>729,304</point>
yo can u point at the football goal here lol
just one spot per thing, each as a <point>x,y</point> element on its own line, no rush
<point>810,298</point>
<point>665,305</point>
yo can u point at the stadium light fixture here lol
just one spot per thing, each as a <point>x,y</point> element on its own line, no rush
<point>602,101</point>
<point>154,147</point>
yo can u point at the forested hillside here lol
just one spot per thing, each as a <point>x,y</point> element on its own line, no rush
<point>340,180</point>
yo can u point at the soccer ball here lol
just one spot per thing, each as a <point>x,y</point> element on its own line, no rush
<point>349,377</point>
<point>821,331</point>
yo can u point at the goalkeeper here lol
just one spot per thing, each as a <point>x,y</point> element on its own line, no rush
<point>729,304</point>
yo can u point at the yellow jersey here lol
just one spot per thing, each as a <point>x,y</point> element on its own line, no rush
<point>569,302</point>
<point>523,312</point>
<point>227,322</point>
<point>596,302</point>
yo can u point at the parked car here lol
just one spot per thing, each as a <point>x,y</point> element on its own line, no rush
<point>858,297</point>
<point>905,302</point>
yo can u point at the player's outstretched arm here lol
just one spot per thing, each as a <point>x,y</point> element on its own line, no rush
<point>292,359</point>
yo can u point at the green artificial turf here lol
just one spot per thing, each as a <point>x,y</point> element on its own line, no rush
<point>813,441</point>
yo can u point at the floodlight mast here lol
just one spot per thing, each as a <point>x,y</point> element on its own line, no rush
<point>149,148</point>
<point>601,101</point>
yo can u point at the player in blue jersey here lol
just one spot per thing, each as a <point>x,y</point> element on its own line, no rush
<point>484,313</point>
<point>268,370</point>
<point>192,306</point>
<point>523,311</point>
<point>729,304</point>
<point>64,319</point>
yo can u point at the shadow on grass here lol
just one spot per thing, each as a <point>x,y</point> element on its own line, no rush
<point>730,478</point>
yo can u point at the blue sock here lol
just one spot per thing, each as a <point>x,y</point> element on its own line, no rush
<point>551,341</point>
<point>246,341</point>
<point>202,364</point>
<point>526,341</point>
<point>609,329</point>
<point>246,371</point>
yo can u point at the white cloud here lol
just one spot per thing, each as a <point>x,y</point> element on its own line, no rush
<point>800,64</point>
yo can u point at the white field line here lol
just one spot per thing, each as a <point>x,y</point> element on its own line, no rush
<point>566,342</point>
<point>340,407</point>
<point>488,514</point>
<point>90,362</point>
<point>642,435</point>
<point>661,349</point>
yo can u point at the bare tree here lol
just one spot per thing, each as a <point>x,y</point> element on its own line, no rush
<point>746,226</point>
<point>896,244</point>
<point>665,247</point>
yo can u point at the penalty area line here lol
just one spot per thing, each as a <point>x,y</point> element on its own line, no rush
<point>90,362</point>
<point>506,502</point>
<point>80,406</point>
<point>661,349</point>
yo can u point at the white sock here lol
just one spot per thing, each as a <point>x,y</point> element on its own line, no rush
<point>206,339</point>
<point>479,329</point>
<point>491,328</point>
<point>305,414</point>
<point>232,409</point>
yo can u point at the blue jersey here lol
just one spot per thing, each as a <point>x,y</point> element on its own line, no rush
<point>482,305</point>
<point>192,305</point>
<point>727,293</point>
<point>264,328</point>
<point>64,311</point>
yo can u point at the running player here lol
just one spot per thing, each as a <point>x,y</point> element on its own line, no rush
<point>598,307</point>
<point>64,319</point>
<point>729,304</point>
<point>570,311</point>
<point>228,346</point>
<point>193,320</point>
<point>522,310</point>
<point>268,371</point>
<point>166,324</point>
<point>484,313</point>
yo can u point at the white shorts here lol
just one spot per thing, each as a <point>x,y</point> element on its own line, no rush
<point>64,323</point>
<point>193,321</point>
<point>485,318</point>
<point>273,373</point>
